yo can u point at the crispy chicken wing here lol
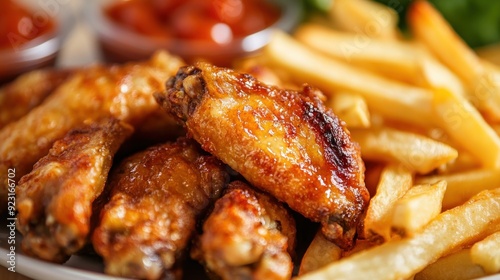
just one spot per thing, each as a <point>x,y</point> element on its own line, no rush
<point>55,199</point>
<point>248,235</point>
<point>120,91</point>
<point>282,141</point>
<point>156,197</point>
<point>27,91</point>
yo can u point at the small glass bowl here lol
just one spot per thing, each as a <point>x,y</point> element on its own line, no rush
<point>119,44</point>
<point>41,51</point>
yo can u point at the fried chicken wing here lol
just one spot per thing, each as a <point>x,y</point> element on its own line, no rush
<point>55,199</point>
<point>156,198</point>
<point>27,91</point>
<point>120,91</point>
<point>282,141</point>
<point>248,235</point>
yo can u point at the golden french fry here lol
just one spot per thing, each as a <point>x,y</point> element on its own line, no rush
<point>366,18</point>
<point>319,253</point>
<point>416,152</point>
<point>486,95</point>
<point>399,60</point>
<point>435,75</point>
<point>496,128</point>
<point>457,266</point>
<point>395,59</point>
<point>463,163</point>
<point>488,89</point>
<point>431,28</point>
<point>255,66</point>
<point>490,53</point>
<point>395,181</point>
<point>400,259</point>
<point>391,99</point>
<point>486,253</point>
<point>416,208</point>
<point>464,185</point>
<point>428,25</point>
<point>466,126</point>
<point>351,108</point>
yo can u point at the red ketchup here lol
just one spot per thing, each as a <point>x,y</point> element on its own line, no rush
<point>19,26</point>
<point>215,21</point>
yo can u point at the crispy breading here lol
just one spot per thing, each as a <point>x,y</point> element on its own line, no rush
<point>282,141</point>
<point>55,199</point>
<point>27,91</point>
<point>156,197</point>
<point>248,235</point>
<point>120,91</point>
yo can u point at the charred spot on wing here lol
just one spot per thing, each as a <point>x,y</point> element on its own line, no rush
<point>341,154</point>
<point>183,93</point>
<point>330,132</point>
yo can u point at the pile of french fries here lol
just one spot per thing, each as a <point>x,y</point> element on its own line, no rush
<point>425,111</point>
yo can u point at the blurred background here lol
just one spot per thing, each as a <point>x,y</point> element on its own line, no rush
<point>476,21</point>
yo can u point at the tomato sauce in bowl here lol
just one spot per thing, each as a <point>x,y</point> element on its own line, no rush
<point>215,30</point>
<point>30,37</point>
<point>17,26</point>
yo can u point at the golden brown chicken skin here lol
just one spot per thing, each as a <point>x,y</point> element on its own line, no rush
<point>55,199</point>
<point>27,91</point>
<point>120,91</point>
<point>282,141</point>
<point>248,235</point>
<point>156,198</point>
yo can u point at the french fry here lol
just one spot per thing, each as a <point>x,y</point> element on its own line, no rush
<point>400,60</point>
<point>351,108</point>
<point>367,18</point>
<point>464,185</point>
<point>416,208</point>
<point>255,66</point>
<point>395,181</point>
<point>496,128</point>
<point>431,28</point>
<point>434,75</point>
<point>400,259</point>
<point>463,163</point>
<point>428,25</point>
<point>458,266</point>
<point>486,253</point>
<point>319,253</point>
<point>490,53</point>
<point>466,126</point>
<point>395,59</point>
<point>416,152</point>
<point>391,99</point>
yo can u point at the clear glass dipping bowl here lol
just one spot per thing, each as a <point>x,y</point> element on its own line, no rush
<point>41,51</point>
<point>119,44</point>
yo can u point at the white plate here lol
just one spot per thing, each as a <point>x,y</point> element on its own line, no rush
<point>76,268</point>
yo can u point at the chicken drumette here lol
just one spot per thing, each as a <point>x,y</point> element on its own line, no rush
<point>248,235</point>
<point>55,199</point>
<point>120,91</point>
<point>28,91</point>
<point>156,197</point>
